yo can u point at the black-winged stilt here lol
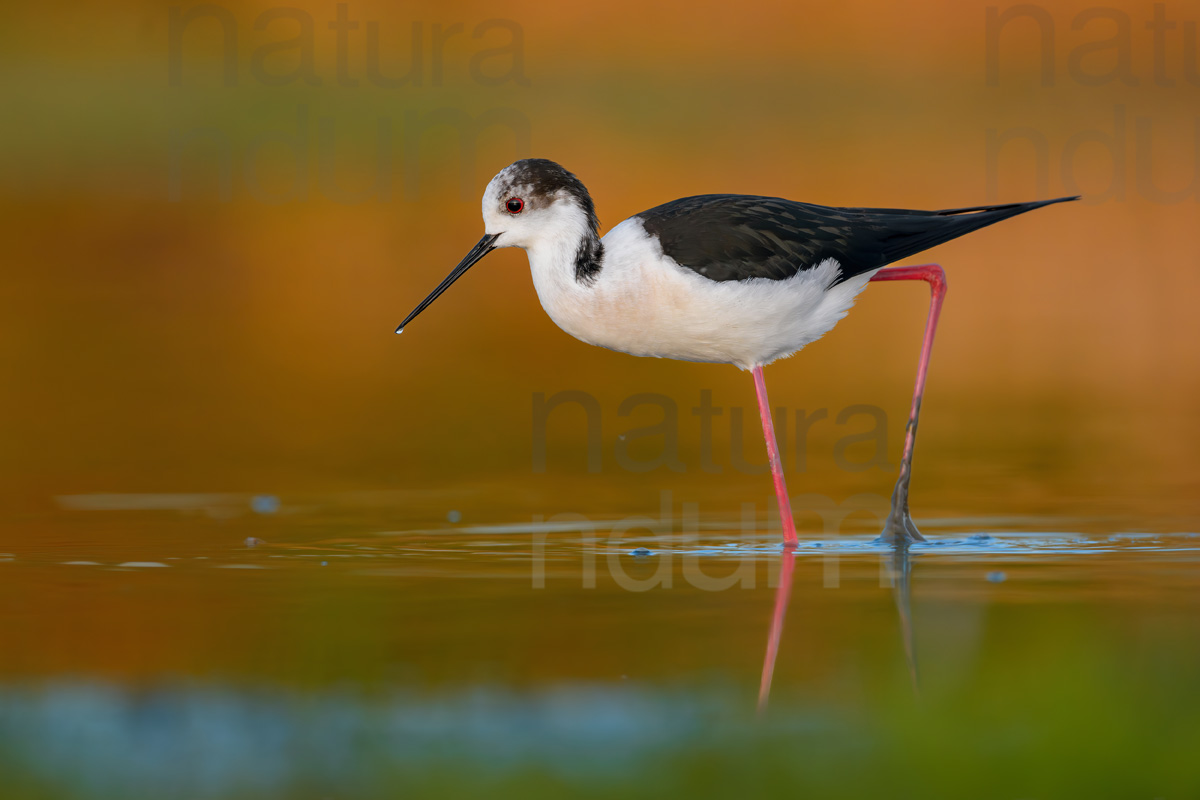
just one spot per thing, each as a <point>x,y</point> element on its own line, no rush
<point>735,279</point>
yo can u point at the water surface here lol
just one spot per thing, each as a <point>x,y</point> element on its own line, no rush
<point>343,645</point>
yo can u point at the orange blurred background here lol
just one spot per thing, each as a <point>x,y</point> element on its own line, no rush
<point>164,333</point>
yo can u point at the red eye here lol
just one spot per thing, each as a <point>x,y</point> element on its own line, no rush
<point>515,205</point>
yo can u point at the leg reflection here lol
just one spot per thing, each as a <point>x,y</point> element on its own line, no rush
<point>783,593</point>
<point>901,574</point>
<point>899,568</point>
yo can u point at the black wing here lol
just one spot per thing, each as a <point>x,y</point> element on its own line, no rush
<point>730,237</point>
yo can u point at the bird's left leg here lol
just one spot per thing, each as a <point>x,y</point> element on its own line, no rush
<point>781,493</point>
<point>899,527</point>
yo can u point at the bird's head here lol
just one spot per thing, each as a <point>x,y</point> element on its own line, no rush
<point>535,200</point>
<point>530,203</point>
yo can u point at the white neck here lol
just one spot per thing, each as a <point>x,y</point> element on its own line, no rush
<point>552,255</point>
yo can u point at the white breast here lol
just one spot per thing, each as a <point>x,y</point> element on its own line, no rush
<point>644,303</point>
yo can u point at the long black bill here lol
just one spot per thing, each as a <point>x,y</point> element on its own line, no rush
<point>481,249</point>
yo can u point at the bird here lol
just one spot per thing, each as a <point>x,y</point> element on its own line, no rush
<point>721,278</point>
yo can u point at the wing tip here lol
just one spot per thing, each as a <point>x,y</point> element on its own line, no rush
<point>1029,205</point>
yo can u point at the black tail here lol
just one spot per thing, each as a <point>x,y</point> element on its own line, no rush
<point>1014,208</point>
<point>900,233</point>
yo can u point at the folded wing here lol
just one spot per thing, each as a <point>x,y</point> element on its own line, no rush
<point>736,237</point>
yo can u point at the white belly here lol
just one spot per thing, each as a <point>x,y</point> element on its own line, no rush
<point>645,304</point>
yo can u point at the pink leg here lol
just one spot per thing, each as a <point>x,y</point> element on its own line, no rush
<point>899,526</point>
<point>781,493</point>
<point>782,594</point>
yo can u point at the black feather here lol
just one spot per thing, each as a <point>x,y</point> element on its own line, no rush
<point>727,237</point>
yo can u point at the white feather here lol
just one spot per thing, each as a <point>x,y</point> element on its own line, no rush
<point>645,304</point>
